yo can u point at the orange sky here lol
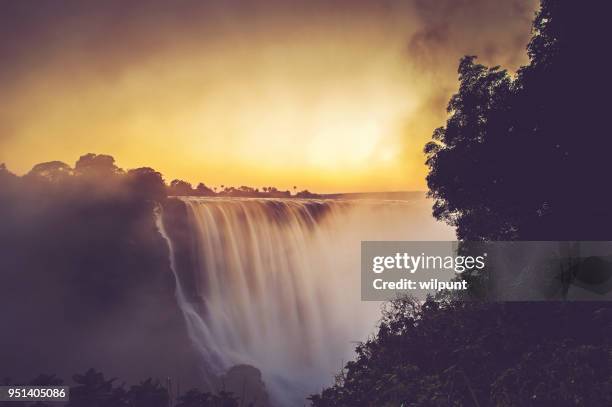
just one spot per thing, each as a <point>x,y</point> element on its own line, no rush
<point>329,96</point>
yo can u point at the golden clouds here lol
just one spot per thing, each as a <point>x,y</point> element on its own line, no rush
<point>328,97</point>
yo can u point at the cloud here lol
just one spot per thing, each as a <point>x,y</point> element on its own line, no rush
<point>178,85</point>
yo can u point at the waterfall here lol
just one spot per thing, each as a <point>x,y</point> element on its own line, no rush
<point>276,282</point>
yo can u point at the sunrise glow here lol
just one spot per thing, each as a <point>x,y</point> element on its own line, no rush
<point>296,96</point>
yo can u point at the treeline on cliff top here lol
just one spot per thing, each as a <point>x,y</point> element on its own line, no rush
<point>100,166</point>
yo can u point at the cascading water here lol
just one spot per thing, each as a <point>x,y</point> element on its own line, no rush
<point>276,282</point>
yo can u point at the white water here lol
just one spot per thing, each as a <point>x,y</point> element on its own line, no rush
<point>277,283</point>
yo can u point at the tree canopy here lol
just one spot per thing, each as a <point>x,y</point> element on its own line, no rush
<point>448,353</point>
<point>523,156</point>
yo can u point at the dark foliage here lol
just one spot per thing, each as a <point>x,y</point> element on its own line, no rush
<point>448,353</point>
<point>195,398</point>
<point>525,157</point>
<point>93,389</point>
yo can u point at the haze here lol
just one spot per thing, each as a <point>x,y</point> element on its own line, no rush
<point>329,96</point>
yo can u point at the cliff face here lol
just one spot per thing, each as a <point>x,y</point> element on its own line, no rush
<point>85,282</point>
<point>177,224</point>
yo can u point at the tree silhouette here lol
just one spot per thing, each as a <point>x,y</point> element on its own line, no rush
<point>180,188</point>
<point>94,390</point>
<point>523,157</point>
<point>96,165</point>
<point>195,398</point>
<point>54,171</point>
<point>146,184</point>
<point>149,393</point>
<point>203,190</point>
<point>447,353</point>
